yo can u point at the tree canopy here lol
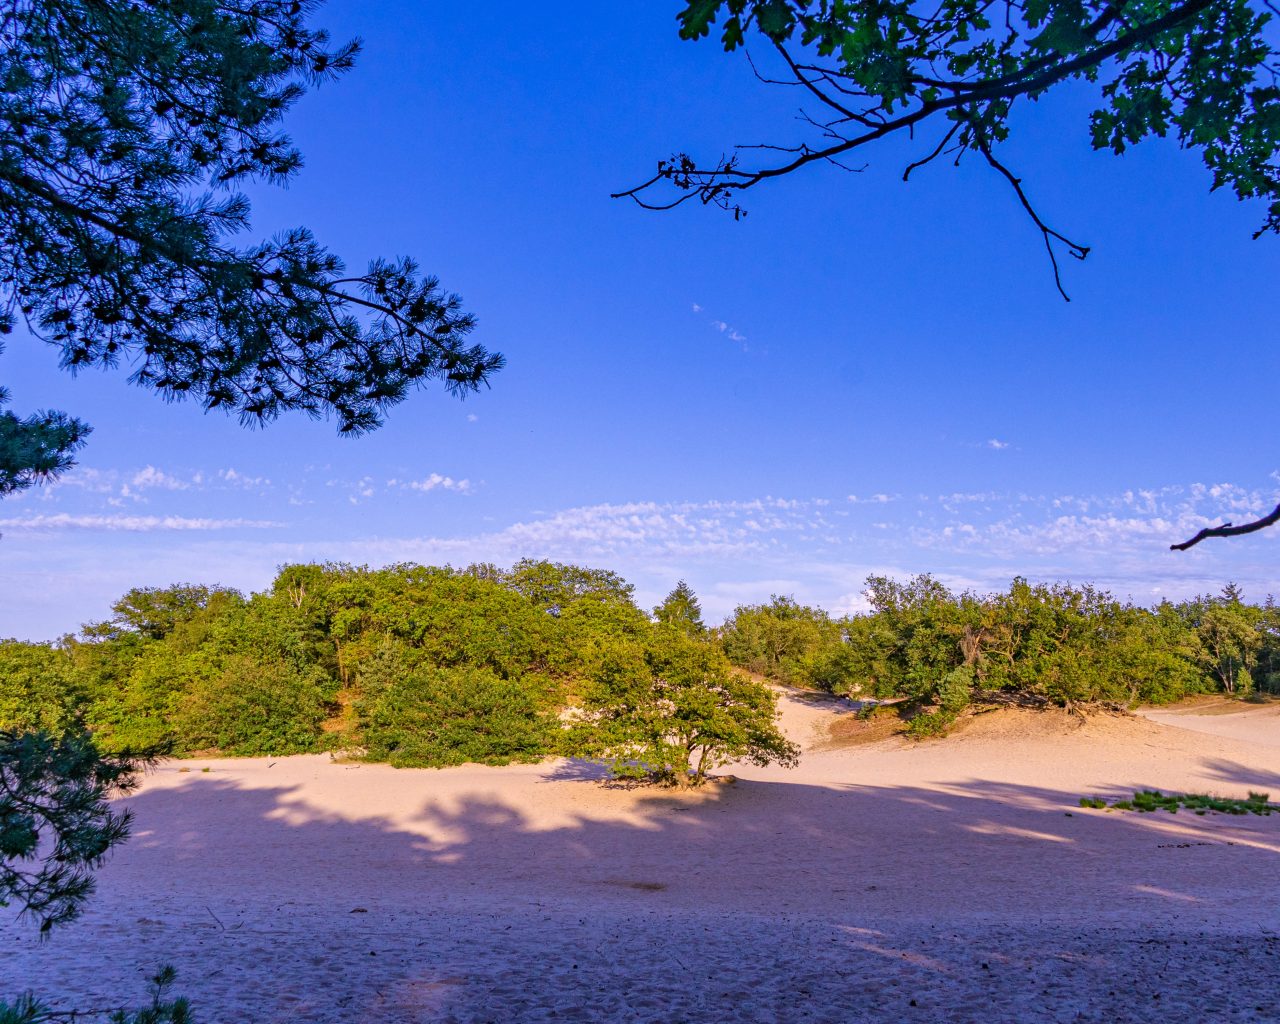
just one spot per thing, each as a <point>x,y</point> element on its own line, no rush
<point>951,74</point>
<point>125,129</point>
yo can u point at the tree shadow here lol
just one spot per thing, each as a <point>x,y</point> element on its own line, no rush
<point>1244,776</point>
<point>363,893</point>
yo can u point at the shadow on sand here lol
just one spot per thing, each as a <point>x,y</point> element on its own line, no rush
<point>555,899</point>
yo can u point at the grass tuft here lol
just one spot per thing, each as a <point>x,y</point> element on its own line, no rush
<point>1149,800</point>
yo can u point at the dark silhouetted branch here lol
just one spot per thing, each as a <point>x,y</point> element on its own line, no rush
<point>1227,530</point>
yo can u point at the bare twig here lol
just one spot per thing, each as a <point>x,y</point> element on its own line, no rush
<point>1074,248</point>
<point>1228,530</point>
<point>906,175</point>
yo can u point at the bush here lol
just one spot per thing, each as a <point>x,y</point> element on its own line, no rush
<point>956,689</point>
<point>448,716</point>
<point>39,689</point>
<point>253,708</point>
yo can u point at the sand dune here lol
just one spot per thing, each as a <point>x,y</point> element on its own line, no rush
<point>947,881</point>
<point>1225,719</point>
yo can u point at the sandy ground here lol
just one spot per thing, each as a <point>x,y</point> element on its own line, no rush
<point>953,880</point>
<point>1224,718</point>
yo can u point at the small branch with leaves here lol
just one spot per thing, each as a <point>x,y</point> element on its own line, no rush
<point>882,70</point>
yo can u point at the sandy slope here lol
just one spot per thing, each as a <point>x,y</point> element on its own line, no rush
<point>1254,724</point>
<point>946,881</point>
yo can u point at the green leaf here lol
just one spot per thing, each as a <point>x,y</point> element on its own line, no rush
<point>696,19</point>
<point>774,18</point>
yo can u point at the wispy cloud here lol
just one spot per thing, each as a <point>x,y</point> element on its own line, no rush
<point>436,481</point>
<point>1139,519</point>
<point>732,551</point>
<point>730,332</point>
<point>725,328</point>
<point>234,478</point>
<point>433,482</point>
<point>996,444</point>
<point>131,524</point>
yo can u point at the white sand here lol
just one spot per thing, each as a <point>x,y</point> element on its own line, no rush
<point>959,874</point>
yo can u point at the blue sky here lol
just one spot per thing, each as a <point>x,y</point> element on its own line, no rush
<point>861,376</point>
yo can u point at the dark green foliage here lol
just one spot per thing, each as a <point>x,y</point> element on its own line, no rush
<point>956,689</point>
<point>35,448</point>
<point>929,724</point>
<point>1051,643</point>
<point>1201,71</point>
<point>413,664</point>
<point>671,709</point>
<point>242,676</point>
<point>780,639</point>
<point>125,129</point>
<point>554,585</point>
<point>434,717</point>
<point>322,660</point>
<point>56,825</point>
<point>155,612</point>
<point>161,1009</point>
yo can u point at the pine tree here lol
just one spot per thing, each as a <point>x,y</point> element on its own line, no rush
<point>681,609</point>
<point>124,131</point>
<point>56,824</point>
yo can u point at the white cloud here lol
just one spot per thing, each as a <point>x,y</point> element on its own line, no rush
<point>433,482</point>
<point>472,417</point>
<point>152,478</point>
<point>996,444</point>
<point>131,524</point>
<point>729,332</point>
<point>236,479</point>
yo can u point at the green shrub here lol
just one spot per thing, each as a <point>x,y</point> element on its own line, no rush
<point>448,716</point>
<point>928,724</point>
<point>253,708</point>
<point>956,690</point>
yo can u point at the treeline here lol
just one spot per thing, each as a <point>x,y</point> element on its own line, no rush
<point>409,664</point>
<point>436,666</point>
<point>1062,644</point>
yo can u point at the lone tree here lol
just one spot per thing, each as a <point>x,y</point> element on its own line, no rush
<point>951,74</point>
<point>672,709</point>
<point>680,610</point>
<point>125,128</point>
